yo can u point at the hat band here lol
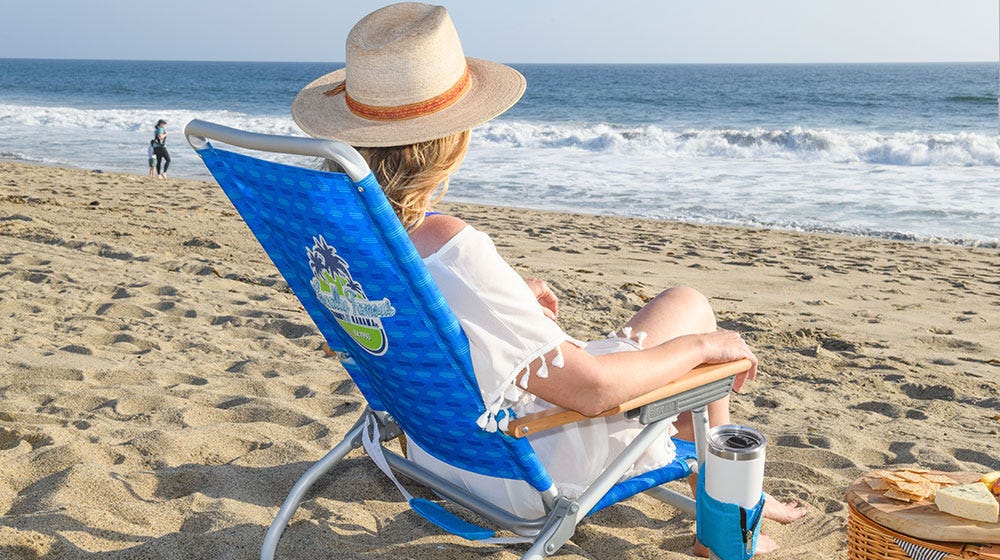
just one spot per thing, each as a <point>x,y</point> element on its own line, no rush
<point>408,111</point>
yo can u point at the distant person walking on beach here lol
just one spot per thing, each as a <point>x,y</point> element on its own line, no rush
<point>159,145</point>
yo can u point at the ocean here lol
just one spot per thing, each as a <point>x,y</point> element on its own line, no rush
<point>897,151</point>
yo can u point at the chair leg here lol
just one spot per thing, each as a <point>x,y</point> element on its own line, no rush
<point>699,421</point>
<point>351,441</point>
<point>559,529</point>
<point>678,500</point>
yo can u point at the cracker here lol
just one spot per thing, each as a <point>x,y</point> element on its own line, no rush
<point>909,477</point>
<point>941,479</point>
<point>877,483</point>
<point>897,495</point>
<point>908,484</point>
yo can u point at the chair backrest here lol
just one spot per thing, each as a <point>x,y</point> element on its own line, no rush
<point>348,259</point>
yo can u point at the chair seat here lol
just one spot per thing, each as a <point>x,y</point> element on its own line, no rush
<point>676,470</point>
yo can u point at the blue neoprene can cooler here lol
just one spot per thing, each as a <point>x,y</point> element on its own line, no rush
<point>730,498</point>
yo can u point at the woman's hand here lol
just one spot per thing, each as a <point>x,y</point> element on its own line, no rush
<point>545,297</point>
<point>727,346</point>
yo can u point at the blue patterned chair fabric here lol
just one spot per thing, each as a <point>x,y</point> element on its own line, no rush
<point>350,262</point>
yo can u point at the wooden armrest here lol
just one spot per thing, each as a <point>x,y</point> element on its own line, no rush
<point>554,417</point>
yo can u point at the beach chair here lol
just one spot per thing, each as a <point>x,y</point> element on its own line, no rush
<point>345,255</point>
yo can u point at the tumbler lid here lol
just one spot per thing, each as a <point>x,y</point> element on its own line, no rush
<point>736,443</point>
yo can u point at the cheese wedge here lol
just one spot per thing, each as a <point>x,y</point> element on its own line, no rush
<point>969,501</point>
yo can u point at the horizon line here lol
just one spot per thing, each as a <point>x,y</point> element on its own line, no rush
<point>677,63</point>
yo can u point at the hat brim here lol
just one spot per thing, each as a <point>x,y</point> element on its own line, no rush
<point>493,89</point>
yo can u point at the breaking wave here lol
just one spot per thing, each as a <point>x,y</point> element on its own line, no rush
<point>794,144</point>
<point>791,144</point>
<point>137,120</point>
<point>797,144</point>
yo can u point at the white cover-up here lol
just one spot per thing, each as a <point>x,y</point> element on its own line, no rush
<point>507,331</point>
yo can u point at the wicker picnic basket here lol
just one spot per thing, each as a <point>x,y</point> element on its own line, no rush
<point>867,540</point>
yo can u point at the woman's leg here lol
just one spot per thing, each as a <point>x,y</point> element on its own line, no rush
<point>162,156</point>
<point>680,311</point>
<point>166,160</point>
<point>676,312</point>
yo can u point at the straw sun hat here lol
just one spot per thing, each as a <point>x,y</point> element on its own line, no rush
<point>406,80</point>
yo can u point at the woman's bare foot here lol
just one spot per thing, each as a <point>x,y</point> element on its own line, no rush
<point>784,512</point>
<point>765,544</point>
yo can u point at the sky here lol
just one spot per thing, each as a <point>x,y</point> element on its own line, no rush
<point>517,31</point>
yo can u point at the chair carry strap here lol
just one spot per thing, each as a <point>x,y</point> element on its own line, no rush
<point>427,509</point>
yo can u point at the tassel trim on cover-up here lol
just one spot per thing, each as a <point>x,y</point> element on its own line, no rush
<point>626,332</point>
<point>498,413</point>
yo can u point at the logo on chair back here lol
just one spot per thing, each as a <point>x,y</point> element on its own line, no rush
<point>344,297</point>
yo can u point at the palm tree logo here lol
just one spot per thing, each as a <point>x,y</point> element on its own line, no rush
<point>344,297</point>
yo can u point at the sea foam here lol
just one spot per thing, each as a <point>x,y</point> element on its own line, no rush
<point>796,144</point>
<point>137,120</point>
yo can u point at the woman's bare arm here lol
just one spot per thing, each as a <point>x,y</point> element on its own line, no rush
<point>592,384</point>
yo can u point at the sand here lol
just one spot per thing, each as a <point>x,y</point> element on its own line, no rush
<point>160,388</point>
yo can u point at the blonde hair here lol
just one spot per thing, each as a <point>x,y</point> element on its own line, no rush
<point>410,175</point>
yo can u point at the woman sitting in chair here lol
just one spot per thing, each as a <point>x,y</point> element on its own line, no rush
<point>408,103</point>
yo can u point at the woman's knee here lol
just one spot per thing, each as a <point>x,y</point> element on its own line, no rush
<point>675,312</point>
<point>695,307</point>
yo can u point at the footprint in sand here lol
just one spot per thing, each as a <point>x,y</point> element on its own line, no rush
<point>31,276</point>
<point>121,293</point>
<point>122,311</point>
<point>77,349</point>
<point>344,408</point>
<point>199,242</point>
<point>947,343</point>
<point>966,316</point>
<point>944,362</point>
<point>163,306</point>
<point>171,308</point>
<point>801,473</point>
<point>928,392</point>
<point>163,291</point>
<point>126,343</point>
<point>252,411</point>
<point>233,402</point>
<point>914,414</point>
<point>902,452</point>
<point>302,392</point>
<point>288,329</point>
<point>345,387</point>
<point>13,438</point>
<point>886,409</point>
<point>989,462</point>
<point>804,441</point>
